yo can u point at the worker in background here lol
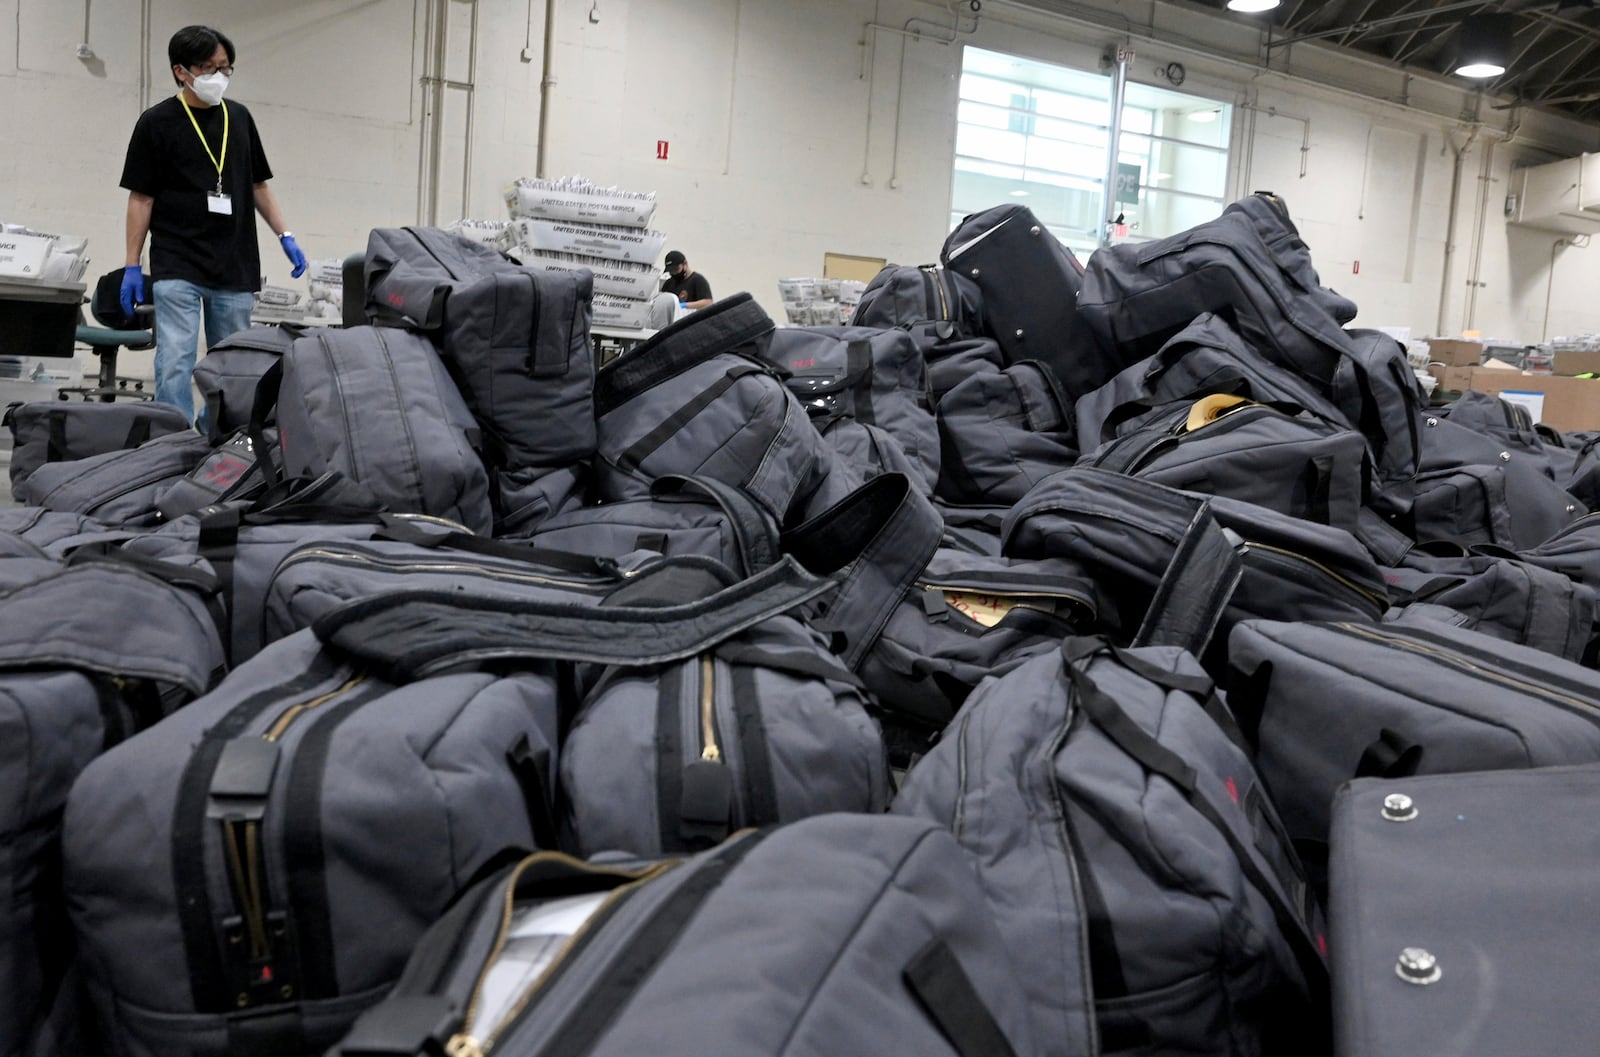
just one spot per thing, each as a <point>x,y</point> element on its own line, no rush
<point>691,287</point>
<point>196,175</point>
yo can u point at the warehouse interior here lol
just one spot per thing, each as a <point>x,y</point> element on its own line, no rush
<point>799,129</point>
<point>799,528</point>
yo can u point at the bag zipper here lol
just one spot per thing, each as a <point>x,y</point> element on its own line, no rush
<point>242,838</point>
<point>1017,599</point>
<point>143,482</point>
<point>358,560</point>
<point>463,1043</point>
<point>938,284</point>
<point>1376,599</point>
<point>1452,657</point>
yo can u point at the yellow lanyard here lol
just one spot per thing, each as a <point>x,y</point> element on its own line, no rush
<point>216,159</point>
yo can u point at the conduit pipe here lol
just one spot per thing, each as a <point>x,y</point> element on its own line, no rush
<point>869,42</point>
<point>1450,224</point>
<point>1305,135</point>
<point>547,81</point>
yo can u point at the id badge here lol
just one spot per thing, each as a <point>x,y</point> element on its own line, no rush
<point>217,202</point>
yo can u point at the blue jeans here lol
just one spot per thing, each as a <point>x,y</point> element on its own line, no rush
<point>179,304</point>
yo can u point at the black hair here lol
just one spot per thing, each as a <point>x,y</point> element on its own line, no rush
<point>194,45</point>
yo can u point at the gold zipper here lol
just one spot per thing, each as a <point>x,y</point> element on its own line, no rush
<point>1455,661</point>
<point>1377,600</point>
<point>463,1043</point>
<point>245,863</point>
<point>708,720</point>
<point>944,304</point>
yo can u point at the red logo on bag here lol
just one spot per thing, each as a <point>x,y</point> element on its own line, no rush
<point>1233,789</point>
<point>396,300</point>
<point>797,364</point>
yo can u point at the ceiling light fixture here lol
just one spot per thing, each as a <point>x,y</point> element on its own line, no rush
<point>1252,7</point>
<point>1484,45</point>
<point>1203,117</point>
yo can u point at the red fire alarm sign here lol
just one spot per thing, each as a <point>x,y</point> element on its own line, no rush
<point>661,150</point>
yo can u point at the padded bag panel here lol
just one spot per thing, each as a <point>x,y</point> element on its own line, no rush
<point>60,431</point>
<point>1002,432</point>
<point>1030,284</point>
<point>377,406</point>
<point>524,500</point>
<point>1491,504</point>
<point>901,296</point>
<point>1490,877</point>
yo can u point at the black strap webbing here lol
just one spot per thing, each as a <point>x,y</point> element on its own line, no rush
<point>809,665</point>
<point>56,451</point>
<point>1389,756</point>
<point>945,992</point>
<point>138,433</point>
<point>532,769</point>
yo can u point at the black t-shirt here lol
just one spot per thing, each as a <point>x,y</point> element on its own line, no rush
<point>167,162</point>
<point>693,288</point>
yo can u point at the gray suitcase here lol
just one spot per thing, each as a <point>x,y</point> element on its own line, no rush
<point>1462,917</point>
<point>837,935</point>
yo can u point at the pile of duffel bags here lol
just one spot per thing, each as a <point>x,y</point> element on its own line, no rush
<point>1117,659</point>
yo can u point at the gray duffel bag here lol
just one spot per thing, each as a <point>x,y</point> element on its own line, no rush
<point>837,935</point>
<point>1132,859</point>
<point>58,431</point>
<point>227,375</point>
<point>88,657</point>
<point>377,406</point>
<point>699,400</point>
<point>117,488</point>
<point>516,338</point>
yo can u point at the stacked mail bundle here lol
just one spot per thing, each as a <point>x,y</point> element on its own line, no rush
<point>488,232</point>
<point>325,285</point>
<point>570,224</point>
<point>820,302</point>
<point>47,256</point>
<point>278,304</point>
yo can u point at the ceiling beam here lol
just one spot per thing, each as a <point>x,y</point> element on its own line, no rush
<point>1361,27</point>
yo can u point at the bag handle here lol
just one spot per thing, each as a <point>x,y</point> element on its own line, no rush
<point>261,409</point>
<point>885,532</point>
<point>1195,589</point>
<point>409,635</point>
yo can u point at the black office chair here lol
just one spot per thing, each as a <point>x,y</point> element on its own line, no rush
<point>116,331</point>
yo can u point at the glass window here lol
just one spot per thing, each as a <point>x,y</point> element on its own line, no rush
<point>1037,133</point>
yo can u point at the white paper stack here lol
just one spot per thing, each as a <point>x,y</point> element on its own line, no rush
<point>29,254</point>
<point>325,287</point>
<point>488,232</point>
<point>569,224</point>
<point>820,302</point>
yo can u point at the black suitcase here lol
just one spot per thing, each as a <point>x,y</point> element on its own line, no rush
<point>1462,921</point>
<point>1030,285</point>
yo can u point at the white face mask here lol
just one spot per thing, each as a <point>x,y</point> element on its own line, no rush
<point>209,89</point>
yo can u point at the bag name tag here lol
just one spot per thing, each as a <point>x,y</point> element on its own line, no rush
<point>219,203</point>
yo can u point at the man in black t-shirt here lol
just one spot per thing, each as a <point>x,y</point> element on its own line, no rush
<point>196,175</point>
<point>689,285</point>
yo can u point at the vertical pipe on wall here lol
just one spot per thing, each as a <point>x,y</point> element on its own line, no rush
<point>547,81</point>
<point>436,130</point>
<point>472,105</point>
<point>1108,193</point>
<point>733,86</point>
<point>1450,222</point>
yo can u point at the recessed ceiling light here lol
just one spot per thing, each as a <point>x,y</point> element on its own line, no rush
<point>1204,117</point>
<point>1252,7</point>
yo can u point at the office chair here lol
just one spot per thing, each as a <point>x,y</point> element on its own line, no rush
<point>116,331</point>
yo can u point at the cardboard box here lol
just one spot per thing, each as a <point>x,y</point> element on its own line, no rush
<point>1454,379</point>
<point>1455,352</point>
<point>1576,362</point>
<point>1565,403</point>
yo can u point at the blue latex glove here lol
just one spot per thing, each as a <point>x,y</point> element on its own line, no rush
<point>132,288</point>
<point>296,258</point>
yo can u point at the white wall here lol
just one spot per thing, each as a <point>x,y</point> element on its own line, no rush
<point>789,136</point>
